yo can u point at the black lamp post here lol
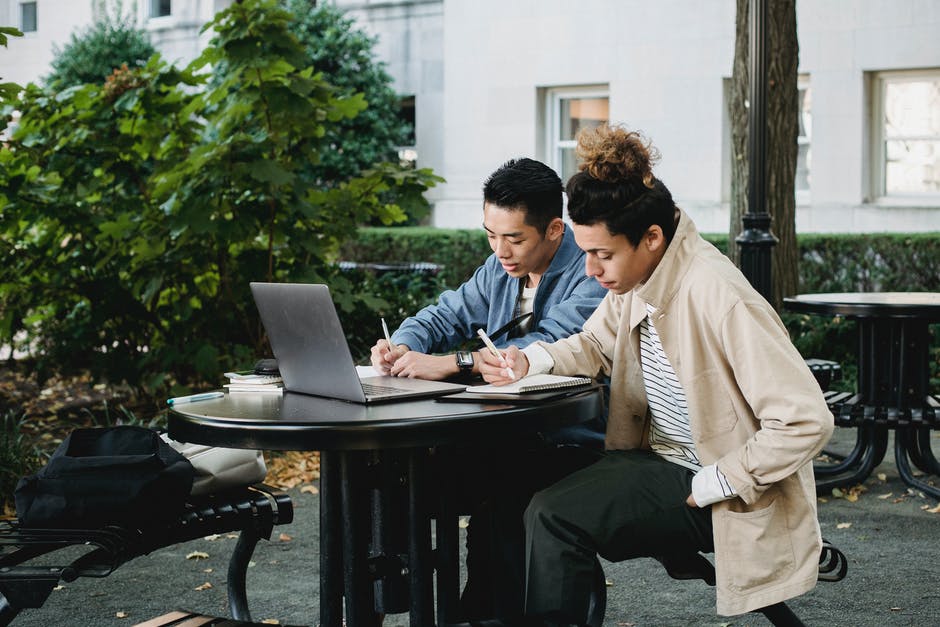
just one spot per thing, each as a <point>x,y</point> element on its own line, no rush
<point>756,241</point>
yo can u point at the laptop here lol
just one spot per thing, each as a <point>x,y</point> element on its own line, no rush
<point>313,355</point>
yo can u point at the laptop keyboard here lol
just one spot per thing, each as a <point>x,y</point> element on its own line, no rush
<point>372,389</point>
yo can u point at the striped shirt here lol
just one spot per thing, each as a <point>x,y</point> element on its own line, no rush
<point>670,428</point>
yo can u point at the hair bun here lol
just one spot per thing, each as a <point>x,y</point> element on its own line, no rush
<point>612,153</point>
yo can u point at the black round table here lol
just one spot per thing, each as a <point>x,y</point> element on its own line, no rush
<point>893,386</point>
<point>354,441</point>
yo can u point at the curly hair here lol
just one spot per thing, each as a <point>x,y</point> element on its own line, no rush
<point>615,184</point>
<point>612,153</point>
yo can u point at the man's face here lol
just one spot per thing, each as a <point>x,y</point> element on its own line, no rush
<point>613,261</point>
<point>520,248</point>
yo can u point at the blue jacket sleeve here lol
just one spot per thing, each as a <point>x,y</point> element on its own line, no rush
<point>450,321</point>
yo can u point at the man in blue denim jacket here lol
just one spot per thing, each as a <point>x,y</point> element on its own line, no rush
<point>534,282</point>
<point>533,287</point>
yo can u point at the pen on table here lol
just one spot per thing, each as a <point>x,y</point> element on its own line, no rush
<point>192,398</point>
<point>498,355</point>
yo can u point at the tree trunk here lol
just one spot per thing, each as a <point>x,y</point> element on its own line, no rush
<point>782,133</point>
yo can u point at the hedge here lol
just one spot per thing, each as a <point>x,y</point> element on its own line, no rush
<point>828,263</point>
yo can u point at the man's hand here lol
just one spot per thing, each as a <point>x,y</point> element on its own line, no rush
<point>690,501</point>
<point>495,370</point>
<point>385,356</point>
<point>417,365</point>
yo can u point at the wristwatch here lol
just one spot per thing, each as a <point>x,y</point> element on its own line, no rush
<point>464,361</point>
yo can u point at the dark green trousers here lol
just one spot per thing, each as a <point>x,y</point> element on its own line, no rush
<point>628,504</point>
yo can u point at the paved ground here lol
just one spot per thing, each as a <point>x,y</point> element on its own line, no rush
<point>890,537</point>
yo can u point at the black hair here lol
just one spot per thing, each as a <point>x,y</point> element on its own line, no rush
<point>615,185</point>
<point>526,185</point>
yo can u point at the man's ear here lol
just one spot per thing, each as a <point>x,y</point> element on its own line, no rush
<point>654,238</point>
<point>556,228</point>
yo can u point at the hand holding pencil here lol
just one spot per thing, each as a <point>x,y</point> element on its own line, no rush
<point>500,368</point>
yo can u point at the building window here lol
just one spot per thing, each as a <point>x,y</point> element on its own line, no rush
<point>569,110</point>
<point>804,147</point>
<point>28,17</point>
<point>408,153</point>
<point>906,133</point>
<point>160,8</point>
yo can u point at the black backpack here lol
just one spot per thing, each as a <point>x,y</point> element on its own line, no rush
<point>117,475</point>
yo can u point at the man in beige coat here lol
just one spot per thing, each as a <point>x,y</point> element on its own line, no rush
<point>714,417</point>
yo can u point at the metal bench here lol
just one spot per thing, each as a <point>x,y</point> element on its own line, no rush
<point>31,565</point>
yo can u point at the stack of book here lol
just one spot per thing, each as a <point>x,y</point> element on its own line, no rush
<point>250,382</point>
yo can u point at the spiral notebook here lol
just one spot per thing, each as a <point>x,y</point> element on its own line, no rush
<point>533,383</point>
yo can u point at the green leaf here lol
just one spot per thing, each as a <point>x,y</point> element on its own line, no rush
<point>270,172</point>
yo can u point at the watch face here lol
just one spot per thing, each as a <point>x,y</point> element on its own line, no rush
<point>464,360</point>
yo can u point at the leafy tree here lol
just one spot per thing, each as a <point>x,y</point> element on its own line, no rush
<point>8,90</point>
<point>134,214</point>
<point>96,51</point>
<point>344,55</point>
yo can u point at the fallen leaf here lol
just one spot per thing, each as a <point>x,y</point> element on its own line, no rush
<point>882,476</point>
<point>197,555</point>
<point>836,492</point>
<point>935,510</point>
<point>851,498</point>
<point>270,621</point>
<point>843,525</point>
<point>309,489</point>
<point>463,523</point>
<point>204,586</point>
<point>213,537</point>
<point>885,496</point>
<point>822,499</point>
<point>895,609</point>
<point>59,587</point>
<point>608,582</point>
<point>121,614</point>
<point>285,537</point>
<point>207,570</point>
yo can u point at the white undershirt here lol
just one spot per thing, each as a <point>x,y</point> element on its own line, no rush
<point>526,305</point>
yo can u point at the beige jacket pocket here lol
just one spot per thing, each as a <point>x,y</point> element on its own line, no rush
<point>755,548</point>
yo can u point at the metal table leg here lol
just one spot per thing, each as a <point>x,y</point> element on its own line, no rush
<point>448,552</point>
<point>357,582</point>
<point>902,444</point>
<point>331,554</point>
<point>420,565</point>
<point>872,456</point>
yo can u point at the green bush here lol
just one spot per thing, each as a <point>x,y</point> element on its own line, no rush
<point>134,214</point>
<point>93,53</point>
<point>457,251</point>
<point>19,455</point>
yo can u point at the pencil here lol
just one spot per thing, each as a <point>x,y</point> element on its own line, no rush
<point>388,338</point>
<point>498,355</point>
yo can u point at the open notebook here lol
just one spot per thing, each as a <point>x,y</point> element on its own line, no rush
<point>533,389</point>
<point>533,383</point>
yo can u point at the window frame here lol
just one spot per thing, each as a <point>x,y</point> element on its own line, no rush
<point>22,6</point>
<point>554,145</point>
<point>878,153</point>
<point>154,12</point>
